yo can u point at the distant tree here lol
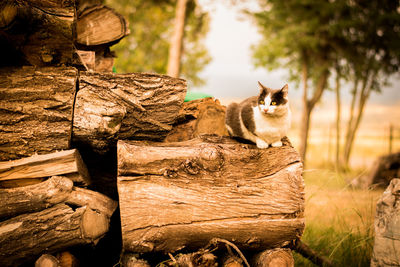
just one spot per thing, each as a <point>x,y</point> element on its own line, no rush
<point>295,36</point>
<point>357,40</point>
<point>151,23</point>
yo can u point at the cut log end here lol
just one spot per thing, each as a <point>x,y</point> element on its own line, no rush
<point>278,257</point>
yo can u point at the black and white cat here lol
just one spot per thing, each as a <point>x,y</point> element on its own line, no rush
<point>262,119</point>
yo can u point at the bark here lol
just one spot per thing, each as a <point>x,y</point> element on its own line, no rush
<point>100,25</point>
<point>182,195</point>
<point>36,110</point>
<point>278,257</point>
<point>387,227</point>
<point>36,197</point>
<point>41,31</point>
<point>51,230</point>
<point>175,50</point>
<point>198,117</point>
<point>67,163</point>
<point>125,106</point>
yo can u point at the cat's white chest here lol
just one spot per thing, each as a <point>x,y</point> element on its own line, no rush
<point>271,129</point>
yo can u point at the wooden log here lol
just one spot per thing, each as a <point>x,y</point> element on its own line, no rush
<point>41,30</point>
<point>125,106</point>
<point>35,110</point>
<point>66,259</point>
<point>387,227</point>
<point>198,117</point>
<point>182,195</point>
<point>131,260</point>
<point>47,260</point>
<point>50,230</point>
<point>383,171</point>
<point>278,257</point>
<point>67,163</point>
<point>100,25</point>
<point>94,200</point>
<point>34,197</point>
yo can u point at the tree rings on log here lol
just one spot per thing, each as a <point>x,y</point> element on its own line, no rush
<point>100,25</point>
<point>182,195</point>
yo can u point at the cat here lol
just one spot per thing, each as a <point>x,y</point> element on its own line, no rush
<point>262,119</point>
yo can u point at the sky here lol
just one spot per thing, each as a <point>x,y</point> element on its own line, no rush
<point>231,74</point>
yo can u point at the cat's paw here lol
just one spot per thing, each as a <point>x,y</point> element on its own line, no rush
<point>261,144</point>
<point>277,144</point>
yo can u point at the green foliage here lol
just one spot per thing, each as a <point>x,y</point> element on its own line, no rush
<point>151,24</point>
<point>362,35</point>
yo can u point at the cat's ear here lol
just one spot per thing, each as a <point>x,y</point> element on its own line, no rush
<point>285,90</point>
<point>262,87</point>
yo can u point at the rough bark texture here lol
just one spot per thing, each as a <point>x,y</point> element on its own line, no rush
<point>198,117</point>
<point>67,163</point>
<point>100,25</point>
<point>278,257</point>
<point>387,227</point>
<point>41,32</point>
<point>16,201</point>
<point>53,229</point>
<point>125,106</point>
<point>181,195</point>
<point>35,110</point>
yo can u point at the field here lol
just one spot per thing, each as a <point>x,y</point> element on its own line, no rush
<point>340,217</point>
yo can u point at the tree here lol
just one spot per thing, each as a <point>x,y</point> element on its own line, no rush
<point>175,48</point>
<point>151,22</point>
<point>295,36</point>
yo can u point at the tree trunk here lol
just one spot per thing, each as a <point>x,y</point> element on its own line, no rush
<point>175,50</point>
<point>308,107</point>
<point>34,169</point>
<point>182,195</point>
<point>338,119</point>
<point>50,230</point>
<point>36,110</point>
<point>278,257</point>
<point>100,25</point>
<point>354,121</point>
<point>41,31</point>
<point>305,120</point>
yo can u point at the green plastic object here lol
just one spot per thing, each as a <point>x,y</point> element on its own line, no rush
<point>193,95</point>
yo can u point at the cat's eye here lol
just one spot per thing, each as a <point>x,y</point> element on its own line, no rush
<point>273,103</point>
<point>262,102</point>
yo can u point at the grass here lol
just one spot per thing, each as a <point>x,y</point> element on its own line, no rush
<point>339,218</point>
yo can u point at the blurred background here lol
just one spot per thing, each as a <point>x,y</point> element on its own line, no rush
<point>341,60</point>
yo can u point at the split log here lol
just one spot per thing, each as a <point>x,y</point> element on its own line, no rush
<point>100,25</point>
<point>278,257</point>
<point>36,197</point>
<point>125,106</point>
<point>198,117</point>
<point>33,169</point>
<point>387,227</point>
<point>51,230</point>
<point>42,31</point>
<point>182,195</point>
<point>35,110</point>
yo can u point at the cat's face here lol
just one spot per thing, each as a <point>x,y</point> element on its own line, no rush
<point>273,102</point>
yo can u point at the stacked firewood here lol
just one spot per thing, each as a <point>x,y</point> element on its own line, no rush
<point>55,32</point>
<point>77,140</point>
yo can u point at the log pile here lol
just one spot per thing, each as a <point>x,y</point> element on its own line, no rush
<point>72,133</point>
